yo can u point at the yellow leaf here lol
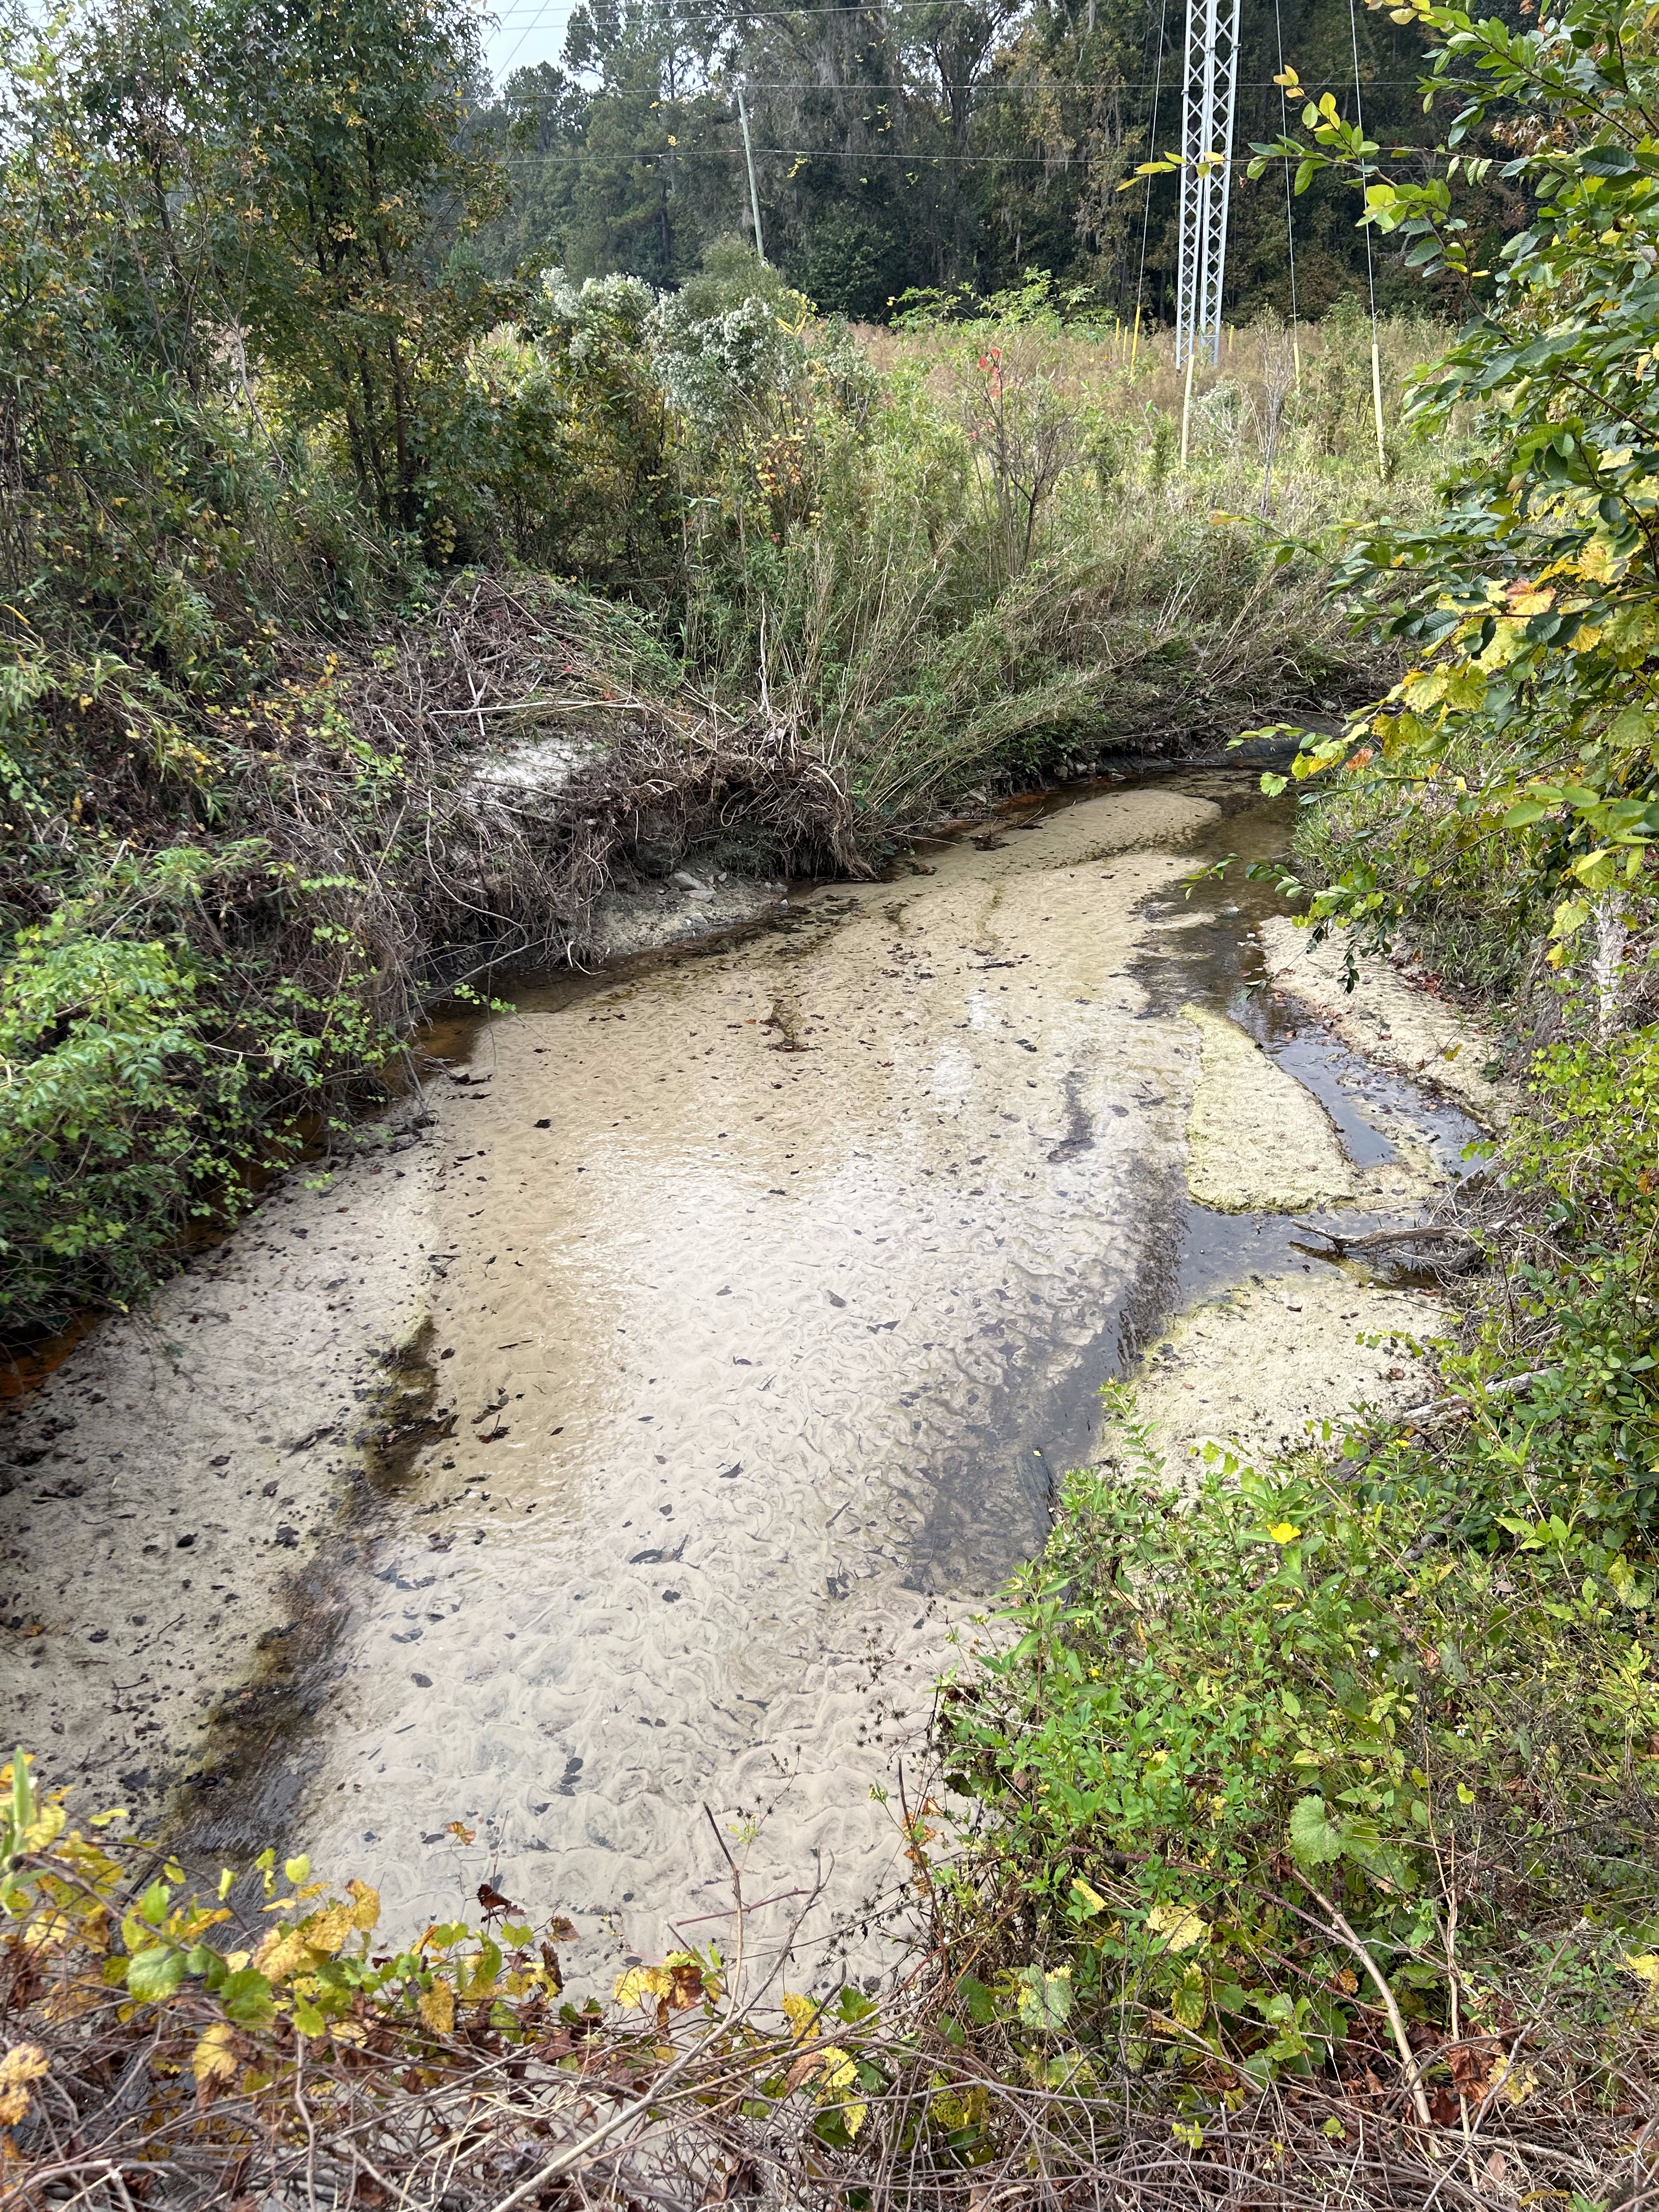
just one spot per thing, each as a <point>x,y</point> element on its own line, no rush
<point>962,2108</point>
<point>214,2058</point>
<point>23,2064</point>
<point>1517,2082</point>
<point>1089,1899</point>
<point>1570,916</point>
<point>1644,1965</point>
<point>1179,1925</point>
<point>326,1931</point>
<point>1597,561</point>
<point>841,2073</point>
<point>437,2009</point>
<point>367,1902</point>
<point>1284,1532</point>
<point>640,1983</point>
<point>41,1835</point>
<point>284,1952</point>
<point>801,2014</point>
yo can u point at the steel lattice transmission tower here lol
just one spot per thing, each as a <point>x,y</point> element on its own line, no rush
<point>1209,90</point>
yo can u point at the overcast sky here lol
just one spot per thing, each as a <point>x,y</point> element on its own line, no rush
<point>524,33</point>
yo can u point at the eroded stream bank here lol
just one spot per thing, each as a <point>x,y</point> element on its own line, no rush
<point>750,1308</point>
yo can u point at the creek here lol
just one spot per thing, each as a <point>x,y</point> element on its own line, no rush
<point>772,1289</point>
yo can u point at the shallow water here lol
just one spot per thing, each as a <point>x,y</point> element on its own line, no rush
<point>780,1283</point>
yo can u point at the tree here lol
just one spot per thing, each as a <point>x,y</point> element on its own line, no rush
<point>1531,607</point>
<point>351,189</point>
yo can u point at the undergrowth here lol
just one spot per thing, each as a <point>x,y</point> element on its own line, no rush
<point>271,2042</point>
<point>1357,1752</point>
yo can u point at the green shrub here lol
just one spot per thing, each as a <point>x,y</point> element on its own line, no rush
<point>1292,1696</point>
<point>140,1077</point>
<point>1395,1709</point>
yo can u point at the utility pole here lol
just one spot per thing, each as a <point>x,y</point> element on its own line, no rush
<point>1209,91</point>
<point>754,194</point>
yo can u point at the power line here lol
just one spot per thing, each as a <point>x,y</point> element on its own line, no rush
<point>535,18</point>
<point>784,15</point>
<point>981,90</point>
<point>792,153</point>
<point>811,154</point>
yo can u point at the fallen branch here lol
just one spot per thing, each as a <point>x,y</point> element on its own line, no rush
<point>1378,1240</point>
<point>1434,1410</point>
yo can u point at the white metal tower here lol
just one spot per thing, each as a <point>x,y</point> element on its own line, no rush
<point>1209,88</point>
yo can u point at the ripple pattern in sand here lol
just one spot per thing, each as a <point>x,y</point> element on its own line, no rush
<point>763,1360</point>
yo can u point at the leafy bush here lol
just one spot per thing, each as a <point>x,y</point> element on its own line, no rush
<point>1380,1729</point>
<point>1527,602</point>
<point>1292,1707</point>
<point>112,1106</point>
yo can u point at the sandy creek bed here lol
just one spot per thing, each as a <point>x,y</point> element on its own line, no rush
<point>753,1303</point>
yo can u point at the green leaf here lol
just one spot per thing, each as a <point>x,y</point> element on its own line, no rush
<point>980,2003</point>
<point>246,1998</point>
<point>1045,1999</point>
<point>1314,1838</point>
<point>1606,162</point>
<point>155,1972</point>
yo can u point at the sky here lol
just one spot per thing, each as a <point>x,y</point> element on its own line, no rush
<point>524,33</point>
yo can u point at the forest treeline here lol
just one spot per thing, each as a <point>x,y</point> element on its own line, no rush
<point>934,144</point>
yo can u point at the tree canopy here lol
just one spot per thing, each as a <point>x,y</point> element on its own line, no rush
<point>928,143</point>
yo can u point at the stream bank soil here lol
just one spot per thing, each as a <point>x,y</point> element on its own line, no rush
<point>746,1311</point>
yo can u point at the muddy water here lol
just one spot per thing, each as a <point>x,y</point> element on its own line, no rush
<point>777,1287</point>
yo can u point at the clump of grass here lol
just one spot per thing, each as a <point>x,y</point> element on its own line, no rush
<point>1002,565</point>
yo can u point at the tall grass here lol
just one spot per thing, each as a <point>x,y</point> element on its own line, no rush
<point>1002,562</point>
